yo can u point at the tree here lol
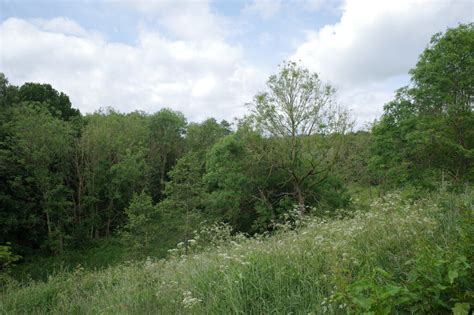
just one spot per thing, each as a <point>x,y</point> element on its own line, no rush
<point>200,137</point>
<point>297,113</point>
<point>443,92</point>
<point>232,178</point>
<point>39,145</point>
<point>166,145</point>
<point>57,103</point>
<point>8,93</point>
<point>141,232</point>
<point>426,132</point>
<point>110,165</point>
<point>185,195</point>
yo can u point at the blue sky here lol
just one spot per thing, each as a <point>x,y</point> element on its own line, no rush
<point>208,58</point>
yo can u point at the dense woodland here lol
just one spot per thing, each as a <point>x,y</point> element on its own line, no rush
<point>151,180</point>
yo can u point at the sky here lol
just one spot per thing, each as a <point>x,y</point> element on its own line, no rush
<point>208,58</point>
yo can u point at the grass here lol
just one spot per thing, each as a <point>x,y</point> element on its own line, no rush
<point>399,256</point>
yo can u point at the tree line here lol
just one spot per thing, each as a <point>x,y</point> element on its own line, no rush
<point>67,179</point>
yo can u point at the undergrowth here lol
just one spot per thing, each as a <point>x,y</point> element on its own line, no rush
<point>396,256</point>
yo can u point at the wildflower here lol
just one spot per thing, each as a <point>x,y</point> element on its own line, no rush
<point>189,301</point>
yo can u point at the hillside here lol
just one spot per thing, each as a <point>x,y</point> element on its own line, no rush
<point>393,255</point>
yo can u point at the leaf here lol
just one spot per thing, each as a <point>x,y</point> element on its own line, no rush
<point>364,303</point>
<point>390,290</point>
<point>461,309</point>
<point>382,272</point>
<point>452,275</point>
<point>357,288</point>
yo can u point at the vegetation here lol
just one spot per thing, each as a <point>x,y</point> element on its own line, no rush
<point>398,256</point>
<point>287,211</point>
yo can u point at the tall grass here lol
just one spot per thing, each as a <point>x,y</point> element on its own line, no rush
<point>399,256</point>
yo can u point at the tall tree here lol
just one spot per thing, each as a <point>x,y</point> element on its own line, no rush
<point>166,145</point>
<point>426,131</point>
<point>200,137</point>
<point>185,196</point>
<point>40,145</point>
<point>296,113</point>
<point>110,165</point>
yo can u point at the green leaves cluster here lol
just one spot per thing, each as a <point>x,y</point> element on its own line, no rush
<point>426,133</point>
<point>435,284</point>
<point>142,231</point>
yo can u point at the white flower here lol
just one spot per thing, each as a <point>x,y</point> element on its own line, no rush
<point>189,301</point>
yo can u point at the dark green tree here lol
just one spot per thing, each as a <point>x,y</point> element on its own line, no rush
<point>57,103</point>
<point>39,149</point>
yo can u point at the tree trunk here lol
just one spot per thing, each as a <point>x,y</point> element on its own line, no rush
<point>163,172</point>
<point>300,198</point>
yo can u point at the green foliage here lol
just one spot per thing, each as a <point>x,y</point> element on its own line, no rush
<point>353,166</point>
<point>39,159</point>
<point>185,197</point>
<point>166,144</point>
<point>7,257</point>
<point>110,165</point>
<point>141,232</point>
<point>58,104</point>
<point>231,183</point>
<point>297,113</point>
<point>434,284</point>
<point>200,137</point>
<point>249,190</point>
<point>426,134</point>
<point>398,257</point>
<point>97,254</point>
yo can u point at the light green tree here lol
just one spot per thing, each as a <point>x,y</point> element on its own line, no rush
<point>297,113</point>
<point>141,232</point>
<point>185,196</point>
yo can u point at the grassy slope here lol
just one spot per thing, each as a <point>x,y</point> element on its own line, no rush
<point>397,253</point>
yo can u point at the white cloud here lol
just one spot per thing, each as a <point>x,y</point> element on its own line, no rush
<point>375,41</point>
<point>264,8</point>
<point>183,19</point>
<point>206,77</point>
<point>61,24</point>
<point>270,8</point>
<point>311,5</point>
<point>203,86</point>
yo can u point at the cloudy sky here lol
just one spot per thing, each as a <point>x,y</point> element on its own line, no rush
<point>208,58</point>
